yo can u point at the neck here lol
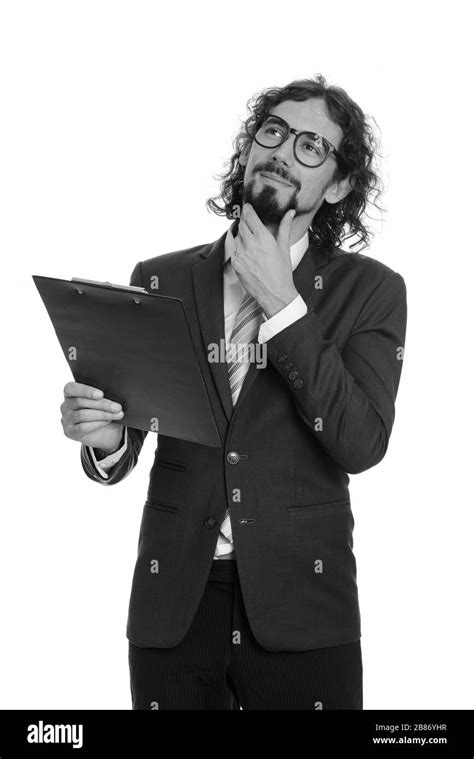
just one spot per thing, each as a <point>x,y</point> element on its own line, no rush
<point>299,226</point>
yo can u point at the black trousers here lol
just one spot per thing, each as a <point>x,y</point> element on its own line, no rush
<point>220,665</point>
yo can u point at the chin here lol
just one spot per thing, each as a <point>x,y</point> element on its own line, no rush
<point>266,203</point>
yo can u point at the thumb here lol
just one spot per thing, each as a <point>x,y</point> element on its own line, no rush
<point>285,228</point>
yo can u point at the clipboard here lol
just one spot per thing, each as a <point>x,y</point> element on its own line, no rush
<point>138,348</point>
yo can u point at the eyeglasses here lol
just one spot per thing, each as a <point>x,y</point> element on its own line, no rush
<point>310,148</point>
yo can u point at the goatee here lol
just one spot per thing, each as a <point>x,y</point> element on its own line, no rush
<point>266,204</point>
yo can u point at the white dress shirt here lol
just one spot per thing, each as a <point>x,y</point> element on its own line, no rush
<point>233,292</point>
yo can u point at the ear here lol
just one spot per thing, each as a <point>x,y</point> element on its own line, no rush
<point>244,154</point>
<point>336,191</point>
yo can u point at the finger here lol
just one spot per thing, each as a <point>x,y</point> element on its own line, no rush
<point>284,230</point>
<point>244,232</point>
<point>105,404</point>
<point>85,427</point>
<point>92,415</point>
<point>252,220</point>
<point>239,247</point>
<point>72,389</point>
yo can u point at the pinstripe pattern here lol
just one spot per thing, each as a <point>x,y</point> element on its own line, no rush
<point>211,669</point>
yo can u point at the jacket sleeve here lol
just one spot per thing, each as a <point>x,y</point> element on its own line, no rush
<point>347,399</point>
<point>123,467</point>
<point>106,463</point>
<point>135,438</point>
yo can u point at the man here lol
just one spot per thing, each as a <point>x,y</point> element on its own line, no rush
<point>244,593</point>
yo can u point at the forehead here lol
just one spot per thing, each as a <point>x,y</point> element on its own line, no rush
<point>310,116</point>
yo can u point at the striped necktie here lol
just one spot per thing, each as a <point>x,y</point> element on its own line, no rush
<point>247,324</point>
<point>245,331</point>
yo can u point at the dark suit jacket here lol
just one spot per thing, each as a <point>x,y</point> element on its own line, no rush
<point>322,408</point>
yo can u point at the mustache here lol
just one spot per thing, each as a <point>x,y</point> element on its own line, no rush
<point>271,169</point>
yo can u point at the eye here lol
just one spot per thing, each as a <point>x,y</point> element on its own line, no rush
<point>312,147</point>
<point>273,131</point>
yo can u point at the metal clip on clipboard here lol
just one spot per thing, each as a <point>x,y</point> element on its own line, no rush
<point>127,288</point>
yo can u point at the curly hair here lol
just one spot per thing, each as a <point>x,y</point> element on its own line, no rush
<point>333,222</point>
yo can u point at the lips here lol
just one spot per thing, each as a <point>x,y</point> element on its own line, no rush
<point>275,177</point>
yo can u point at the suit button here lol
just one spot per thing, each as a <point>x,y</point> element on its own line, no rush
<point>210,523</point>
<point>292,375</point>
<point>288,367</point>
<point>297,384</point>
<point>233,457</point>
<point>282,358</point>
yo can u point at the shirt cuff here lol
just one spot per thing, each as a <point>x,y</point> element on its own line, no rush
<point>278,322</point>
<point>104,464</point>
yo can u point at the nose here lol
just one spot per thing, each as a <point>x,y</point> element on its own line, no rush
<point>284,152</point>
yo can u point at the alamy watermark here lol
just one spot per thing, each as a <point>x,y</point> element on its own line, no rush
<point>242,353</point>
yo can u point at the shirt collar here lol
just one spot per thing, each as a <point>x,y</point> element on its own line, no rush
<point>297,250</point>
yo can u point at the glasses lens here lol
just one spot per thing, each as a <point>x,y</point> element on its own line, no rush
<point>271,133</point>
<point>312,150</point>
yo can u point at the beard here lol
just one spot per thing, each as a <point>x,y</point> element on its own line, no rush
<point>267,205</point>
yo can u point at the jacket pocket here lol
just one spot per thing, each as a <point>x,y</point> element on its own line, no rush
<point>314,509</point>
<point>160,546</point>
<point>154,503</point>
<point>175,466</point>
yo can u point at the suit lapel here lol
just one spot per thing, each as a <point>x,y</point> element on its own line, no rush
<point>208,289</point>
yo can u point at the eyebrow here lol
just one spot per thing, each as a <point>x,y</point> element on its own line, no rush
<point>309,131</point>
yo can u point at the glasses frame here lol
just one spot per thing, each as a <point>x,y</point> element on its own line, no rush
<point>290,130</point>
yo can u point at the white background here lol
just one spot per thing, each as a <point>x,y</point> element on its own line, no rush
<point>116,117</point>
